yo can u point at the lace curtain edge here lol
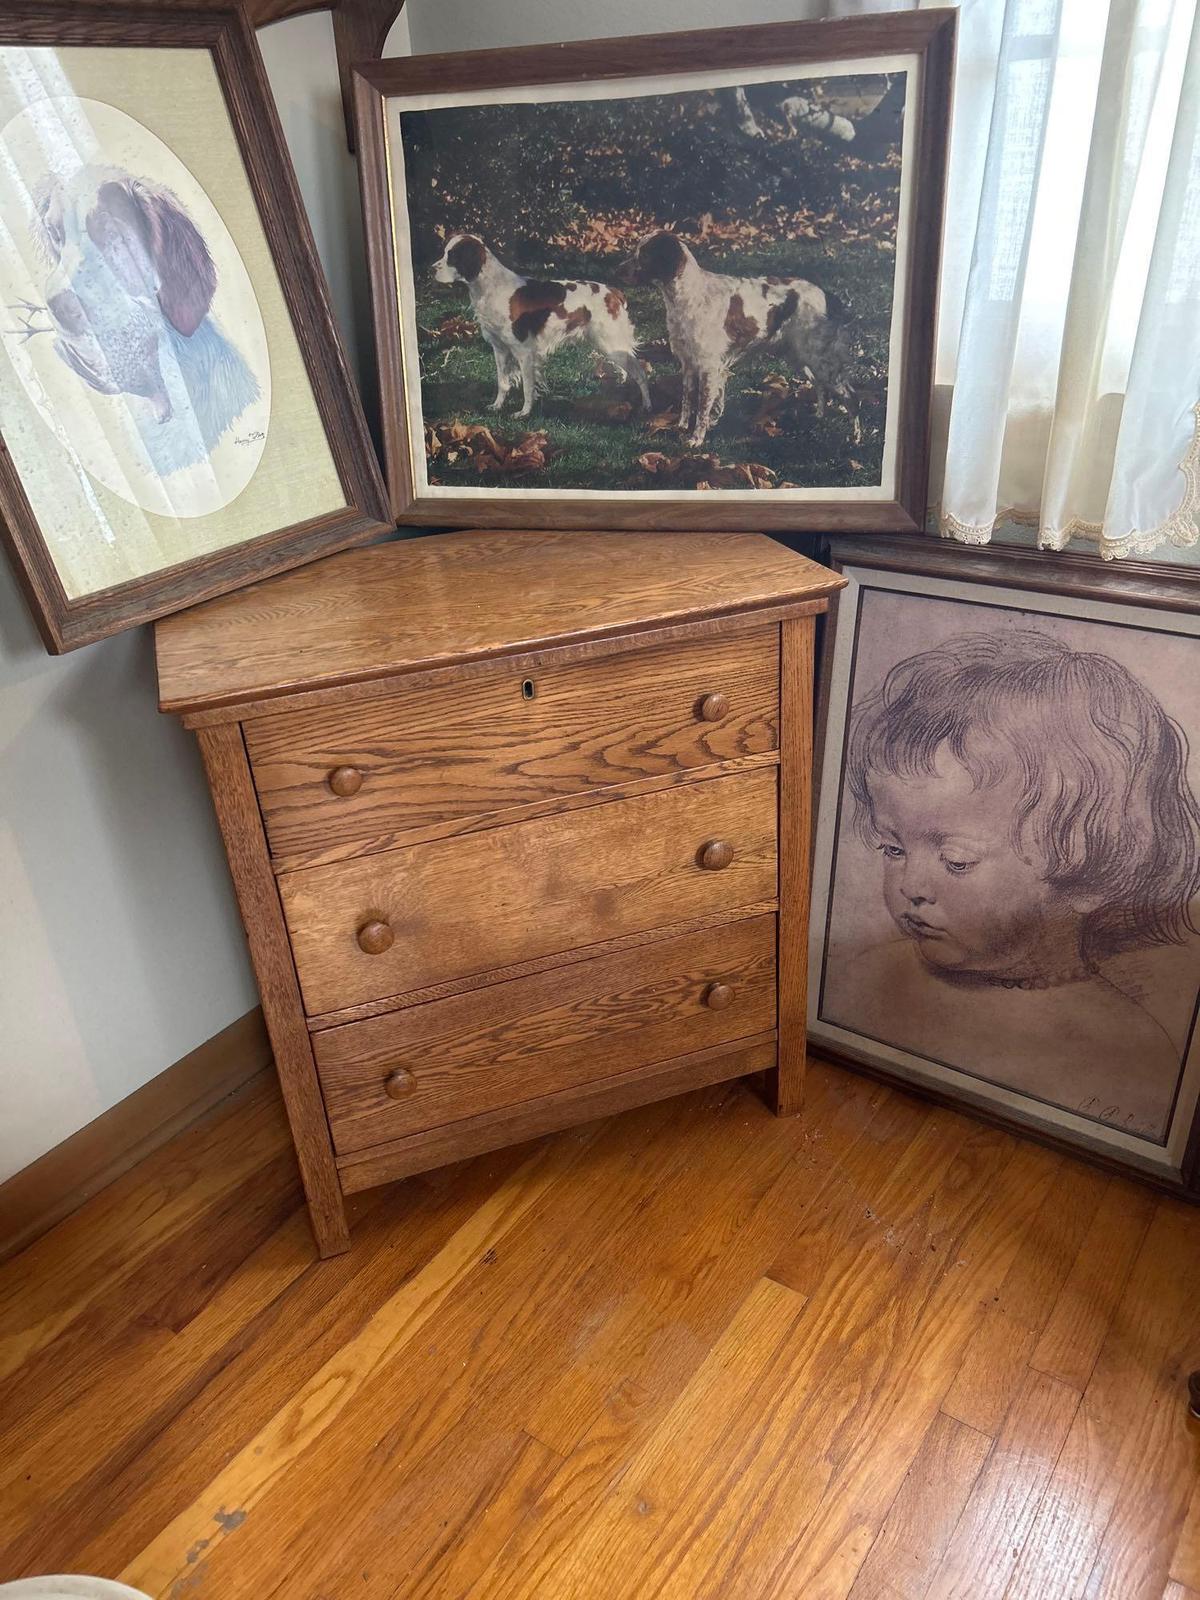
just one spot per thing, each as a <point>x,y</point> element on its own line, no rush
<point>1181,529</point>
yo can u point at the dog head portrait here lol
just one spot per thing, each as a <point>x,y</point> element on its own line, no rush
<point>659,258</point>
<point>128,291</point>
<point>462,260</point>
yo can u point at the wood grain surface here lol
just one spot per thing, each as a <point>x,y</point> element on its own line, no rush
<point>225,763</point>
<point>535,964</point>
<point>532,1036</point>
<point>455,598</point>
<point>426,760</point>
<point>795,817</point>
<point>1159,585</point>
<point>57,1183</point>
<point>689,1351</point>
<point>547,1113</point>
<point>458,906</point>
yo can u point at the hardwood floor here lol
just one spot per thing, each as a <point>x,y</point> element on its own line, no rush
<point>883,1353</point>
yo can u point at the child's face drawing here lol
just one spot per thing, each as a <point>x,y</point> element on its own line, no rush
<point>953,882</point>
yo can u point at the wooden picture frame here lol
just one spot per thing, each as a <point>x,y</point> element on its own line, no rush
<point>1133,576</point>
<point>549,78</point>
<point>311,395</point>
<point>1086,604</point>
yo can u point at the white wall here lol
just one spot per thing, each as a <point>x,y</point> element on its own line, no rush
<point>467,25</point>
<point>120,944</point>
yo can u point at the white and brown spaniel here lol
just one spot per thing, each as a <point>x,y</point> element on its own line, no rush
<point>524,319</point>
<point>714,319</point>
<point>129,283</point>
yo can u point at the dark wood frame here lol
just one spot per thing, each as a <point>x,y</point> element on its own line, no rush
<point>929,34</point>
<point>1076,576</point>
<point>222,29</point>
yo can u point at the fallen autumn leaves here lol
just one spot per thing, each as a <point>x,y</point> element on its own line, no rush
<point>460,443</point>
<point>467,441</point>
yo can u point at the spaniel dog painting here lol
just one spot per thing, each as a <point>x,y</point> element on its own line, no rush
<point>128,290</point>
<point>684,288</point>
<point>525,320</point>
<point>714,319</point>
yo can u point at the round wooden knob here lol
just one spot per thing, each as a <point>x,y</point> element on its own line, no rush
<point>715,855</point>
<point>713,707</point>
<point>345,781</point>
<point>717,996</point>
<point>375,937</point>
<point>399,1083</point>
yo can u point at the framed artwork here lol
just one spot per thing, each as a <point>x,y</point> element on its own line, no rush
<point>682,281</point>
<point>175,408</point>
<point>1006,904</point>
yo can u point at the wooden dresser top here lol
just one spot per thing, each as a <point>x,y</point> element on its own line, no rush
<point>451,598</point>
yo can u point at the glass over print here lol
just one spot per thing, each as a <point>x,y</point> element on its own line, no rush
<point>599,214</point>
<point>153,397</point>
<point>1009,855</point>
<point>176,413</point>
<point>663,279</point>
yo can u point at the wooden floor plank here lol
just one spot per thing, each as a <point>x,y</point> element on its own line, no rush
<point>683,1315</point>
<point>904,1557</point>
<point>995,1524</point>
<point>265,1460</point>
<point>1185,1562</point>
<point>993,1368</point>
<point>147,1475</point>
<point>516,1292</point>
<point>479,1538</point>
<point>746,1455</point>
<point>46,1287</point>
<point>1115,1505</point>
<point>690,1353</point>
<point>977,1225</point>
<point>699,1247</point>
<point>648,1258</point>
<point>137,1344</point>
<point>1083,1311</point>
<point>1153,1478</point>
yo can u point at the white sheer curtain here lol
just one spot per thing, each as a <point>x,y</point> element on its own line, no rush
<point>1069,331</point>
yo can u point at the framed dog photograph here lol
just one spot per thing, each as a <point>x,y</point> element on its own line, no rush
<point>175,408</point>
<point>679,281</point>
<point>1006,902</point>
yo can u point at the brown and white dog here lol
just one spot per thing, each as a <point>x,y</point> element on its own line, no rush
<point>714,319</point>
<point>129,284</point>
<point>525,319</point>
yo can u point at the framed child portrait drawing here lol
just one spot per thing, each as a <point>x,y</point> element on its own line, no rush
<point>686,280</point>
<point>1006,902</point>
<point>176,412</point>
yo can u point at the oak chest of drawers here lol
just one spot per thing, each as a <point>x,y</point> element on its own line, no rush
<point>518,824</point>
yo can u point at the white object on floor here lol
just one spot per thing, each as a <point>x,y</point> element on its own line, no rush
<point>70,1587</point>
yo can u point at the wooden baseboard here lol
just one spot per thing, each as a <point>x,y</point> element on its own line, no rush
<point>49,1189</point>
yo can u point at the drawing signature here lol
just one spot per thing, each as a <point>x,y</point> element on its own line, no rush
<point>252,437</point>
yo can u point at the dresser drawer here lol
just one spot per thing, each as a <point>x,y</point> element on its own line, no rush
<point>400,920</point>
<point>436,1063</point>
<point>423,760</point>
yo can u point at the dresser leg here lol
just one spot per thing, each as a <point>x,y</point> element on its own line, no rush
<point>329,1226</point>
<point>224,752</point>
<point>786,1084</point>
